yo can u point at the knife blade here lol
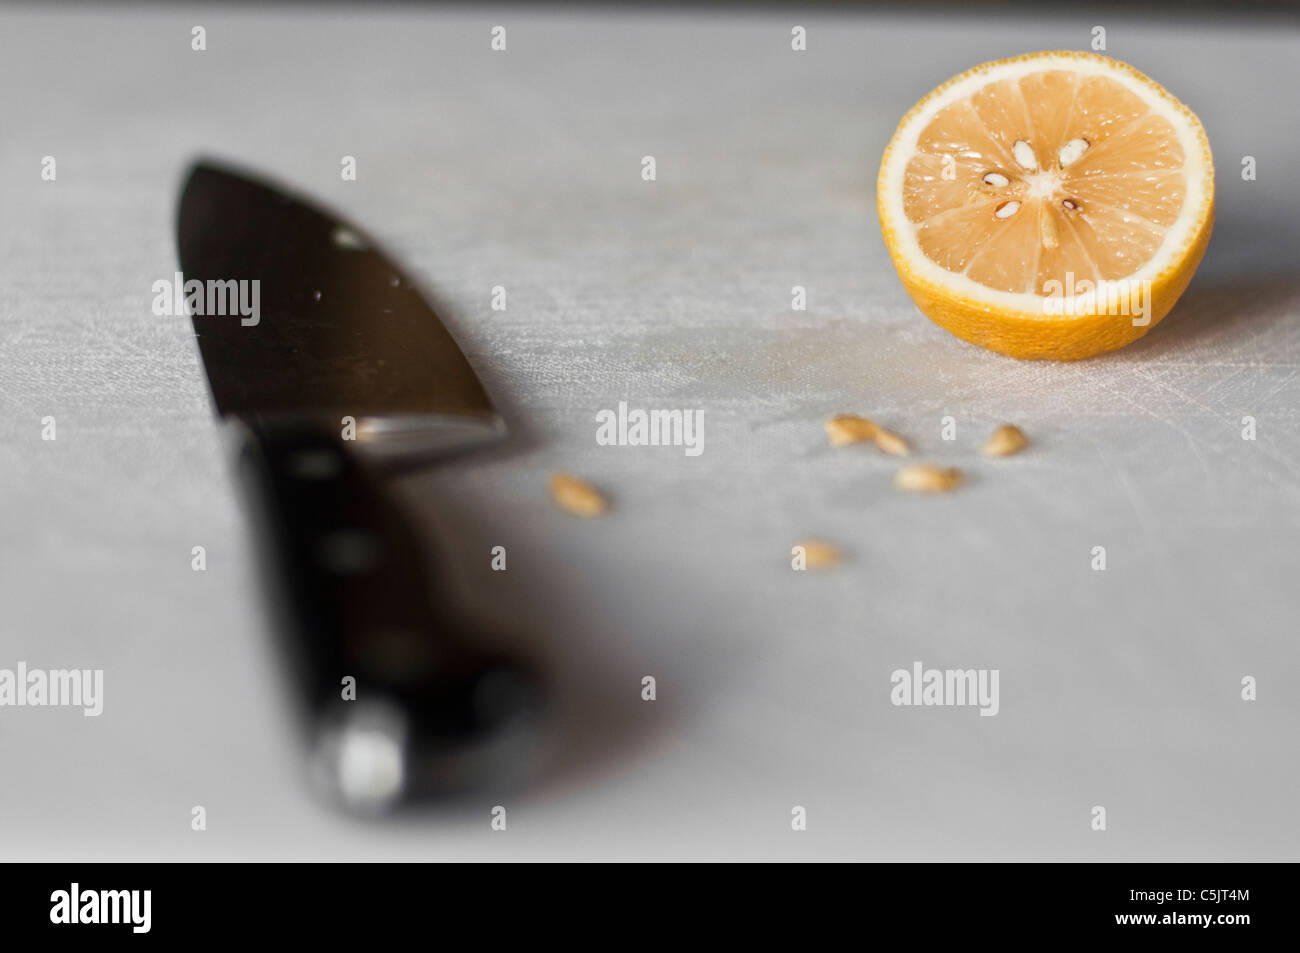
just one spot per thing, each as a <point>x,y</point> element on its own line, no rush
<point>332,371</point>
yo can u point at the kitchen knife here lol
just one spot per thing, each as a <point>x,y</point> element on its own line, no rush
<point>331,369</point>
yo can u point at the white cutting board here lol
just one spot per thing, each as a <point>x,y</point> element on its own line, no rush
<point>522,169</point>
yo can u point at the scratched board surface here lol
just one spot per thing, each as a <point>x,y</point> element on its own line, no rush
<point>522,169</point>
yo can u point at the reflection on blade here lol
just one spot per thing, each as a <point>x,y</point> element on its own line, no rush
<point>340,331</point>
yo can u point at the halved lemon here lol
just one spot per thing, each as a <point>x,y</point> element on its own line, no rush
<point>1052,205</point>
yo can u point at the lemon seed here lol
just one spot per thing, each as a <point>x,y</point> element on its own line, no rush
<point>1006,440</point>
<point>575,495</point>
<point>844,429</point>
<point>927,478</point>
<point>818,554</point>
<point>1024,155</point>
<point>891,443</point>
<point>1071,151</point>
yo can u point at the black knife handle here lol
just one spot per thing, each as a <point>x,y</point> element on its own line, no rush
<point>401,701</point>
